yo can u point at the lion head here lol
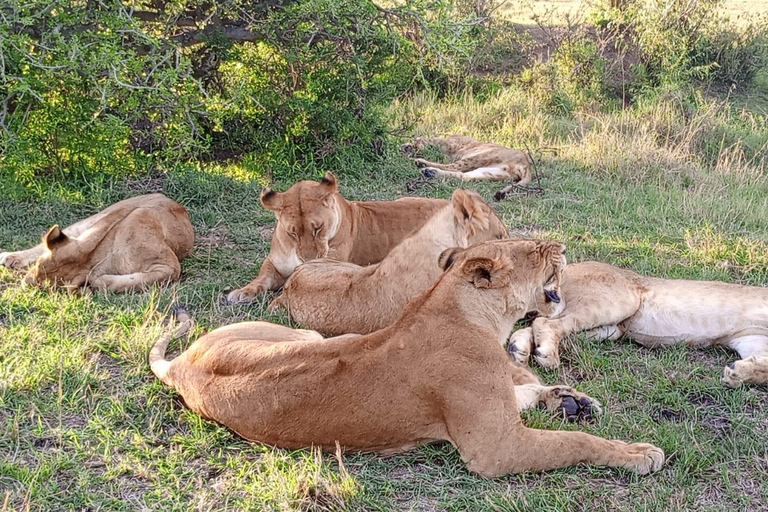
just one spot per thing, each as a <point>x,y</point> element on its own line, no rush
<point>308,216</point>
<point>523,267</point>
<point>61,264</point>
<point>412,148</point>
<point>476,218</point>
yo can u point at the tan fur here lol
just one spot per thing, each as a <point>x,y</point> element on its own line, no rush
<point>315,221</point>
<point>128,246</point>
<point>611,302</point>
<point>473,160</point>
<point>438,373</point>
<point>334,297</point>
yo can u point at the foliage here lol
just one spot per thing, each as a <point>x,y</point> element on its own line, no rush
<point>106,87</point>
<point>684,41</point>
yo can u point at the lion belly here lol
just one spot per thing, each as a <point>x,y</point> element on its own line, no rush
<point>698,313</point>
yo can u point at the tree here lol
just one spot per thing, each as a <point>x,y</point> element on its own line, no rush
<point>89,85</point>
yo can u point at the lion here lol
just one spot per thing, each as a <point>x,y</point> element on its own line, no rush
<point>439,373</point>
<point>336,297</point>
<point>472,160</point>
<point>126,247</point>
<point>315,221</point>
<point>612,302</point>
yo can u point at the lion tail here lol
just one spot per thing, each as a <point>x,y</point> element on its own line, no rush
<point>157,361</point>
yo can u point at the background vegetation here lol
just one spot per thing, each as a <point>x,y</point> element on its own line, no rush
<point>649,124</point>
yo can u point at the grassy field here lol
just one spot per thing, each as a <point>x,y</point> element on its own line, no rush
<point>657,188</point>
<point>739,11</point>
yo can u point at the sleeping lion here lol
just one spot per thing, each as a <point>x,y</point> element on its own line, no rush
<point>611,302</point>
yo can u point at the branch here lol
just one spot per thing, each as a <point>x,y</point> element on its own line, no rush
<point>158,17</point>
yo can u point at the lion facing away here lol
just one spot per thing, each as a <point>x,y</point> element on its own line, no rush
<point>315,221</point>
<point>127,246</point>
<point>336,297</point>
<point>472,160</point>
<point>437,373</point>
<point>611,302</point>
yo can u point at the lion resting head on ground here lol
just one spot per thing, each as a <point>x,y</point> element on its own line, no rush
<point>128,246</point>
<point>609,302</point>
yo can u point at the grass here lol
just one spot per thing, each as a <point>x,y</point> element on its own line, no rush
<point>664,189</point>
<point>524,12</point>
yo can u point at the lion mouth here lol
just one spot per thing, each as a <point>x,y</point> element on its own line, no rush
<point>553,294</point>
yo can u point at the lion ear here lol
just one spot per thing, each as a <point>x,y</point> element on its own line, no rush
<point>486,272</point>
<point>54,237</point>
<point>470,210</point>
<point>448,256</point>
<point>271,199</point>
<point>330,182</point>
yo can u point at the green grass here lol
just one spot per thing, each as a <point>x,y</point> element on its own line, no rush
<point>660,189</point>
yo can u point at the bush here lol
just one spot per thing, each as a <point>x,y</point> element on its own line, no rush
<point>107,89</point>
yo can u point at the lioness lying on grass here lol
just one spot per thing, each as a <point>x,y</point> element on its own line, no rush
<point>335,297</point>
<point>472,160</point>
<point>315,221</point>
<point>437,373</point>
<point>611,302</point>
<point>128,246</point>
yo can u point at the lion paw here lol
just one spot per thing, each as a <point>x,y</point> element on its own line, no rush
<point>242,295</point>
<point>547,358</point>
<point>520,344</point>
<point>731,376</point>
<point>420,162</point>
<point>568,402</point>
<point>644,458</point>
<point>752,370</point>
<point>11,260</point>
<point>428,172</point>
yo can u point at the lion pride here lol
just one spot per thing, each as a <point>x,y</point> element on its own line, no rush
<point>127,246</point>
<point>315,221</point>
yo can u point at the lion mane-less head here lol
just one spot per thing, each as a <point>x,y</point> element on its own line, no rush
<point>308,215</point>
<point>536,261</point>
<point>61,263</point>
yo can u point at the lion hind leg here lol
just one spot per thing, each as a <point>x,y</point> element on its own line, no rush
<point>136,281</point>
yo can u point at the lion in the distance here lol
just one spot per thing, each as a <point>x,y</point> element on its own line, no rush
<point>315,221</point>
<point>127,246</point>
<point>472,160</point>
<point>336,297</point>
<point>611,302</point>
<point>437,374</point>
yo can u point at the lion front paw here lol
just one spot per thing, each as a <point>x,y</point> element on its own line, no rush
<point>571,404</point>
<point>520,345</point>
<point>243,295</point>
<point>644,458</point>
<point>752,370</point>
<point>731,376</point>
<point>11,260</point>
<point>420,162</point>
<point>547,357</point>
